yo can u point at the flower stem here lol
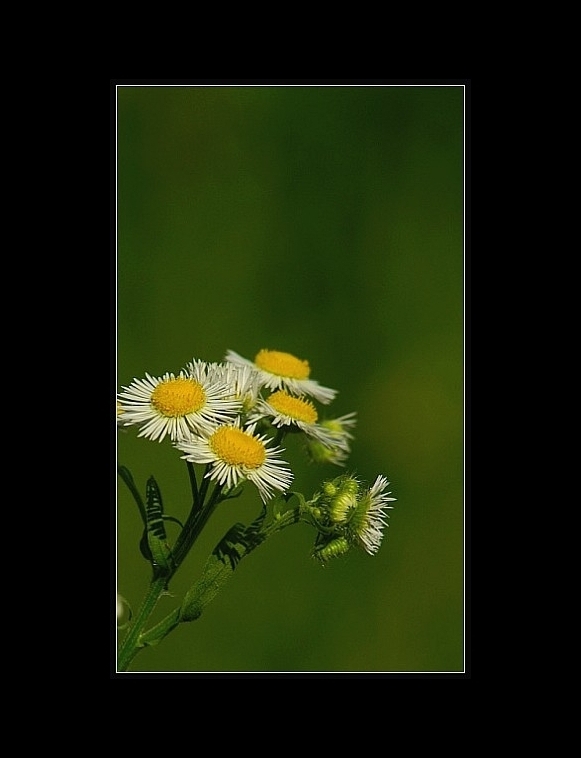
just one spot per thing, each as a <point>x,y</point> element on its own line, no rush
<point>131,644</point>
<point>163,628</point>
<point>135,639</point>
<point>219,568</point>
<point>204,484</point>
<point>193,482</point>
<point>192,528</point>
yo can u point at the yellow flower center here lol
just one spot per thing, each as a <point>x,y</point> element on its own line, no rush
<point>297,409</point>
<point>282,364</point>
<point>237,448</point>
<point>178,397</point>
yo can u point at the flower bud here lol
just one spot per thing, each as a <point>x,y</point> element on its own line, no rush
<point>329,489</point>
<point>344,501</point>
<point>331,549</point>
<point>350,514</point>
<point>317,512</point>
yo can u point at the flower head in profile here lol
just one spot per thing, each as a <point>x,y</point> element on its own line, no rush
<point>279,370</point>
<point>369,515</point>
<point>295,413</point>
<point>338,446</point>
<point>348,515</point>
<point>243,382</point>
<point>195,401</point>
<point>236,454</point>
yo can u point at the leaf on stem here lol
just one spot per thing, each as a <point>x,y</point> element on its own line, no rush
<point>236,543</point>
<point>127,477</point>
<point>155,535</point>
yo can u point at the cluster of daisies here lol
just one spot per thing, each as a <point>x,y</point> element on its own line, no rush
<point>211,412</point>
<point>223,415</point>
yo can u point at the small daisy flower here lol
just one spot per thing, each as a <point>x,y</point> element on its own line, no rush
<point>321,454</point>
<point>194,401</point>
<point>338,452</point>
<point>244,384</point>
<point>285,410</point>
<point>278,370</point>
<point>341,425</point>
<point>236,454</point>
<point>369,515</point>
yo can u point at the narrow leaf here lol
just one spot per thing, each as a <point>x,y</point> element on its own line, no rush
<point>220,566</point>
<point>125,474</point>
<point>156,536</point>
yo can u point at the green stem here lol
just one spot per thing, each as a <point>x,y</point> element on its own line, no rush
<point>220,570</point>
<point>204,484</point>
<point>135,639</point>
<point>192,528</point>
<point>159,631</point>
<point>289,517</point>
<point>193,483</point>
<point>131,644</point>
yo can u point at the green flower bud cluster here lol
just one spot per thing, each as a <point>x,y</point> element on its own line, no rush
<point>346,514</point>
<point>331,510</point>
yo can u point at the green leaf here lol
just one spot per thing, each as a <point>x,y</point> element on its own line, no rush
<point>125,474</point>
<point>174,519</point>
<point>238,542</point>
<point>155,635</point>
<point>154,509</point>
<point>220,566</point>
<point>161,558</point>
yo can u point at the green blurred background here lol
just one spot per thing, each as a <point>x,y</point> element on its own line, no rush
<point>326,222</point>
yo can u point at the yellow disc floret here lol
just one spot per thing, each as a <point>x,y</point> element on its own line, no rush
<point>282,364</point>
<point>237,448</point>
<point>178,396</point>
<point>294,407</point>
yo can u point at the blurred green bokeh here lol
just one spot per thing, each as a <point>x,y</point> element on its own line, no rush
<point>326,222</point>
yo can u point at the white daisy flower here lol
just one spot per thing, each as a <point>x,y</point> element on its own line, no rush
<point>341,425</point>
<point>320,454</point>
<point>195,401</point>
<point>278,370</point>
<point>236,454</point>
<point>244,383</point>
<point>285,410</point>
<point>341,448</point>
<point>369,517</point>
